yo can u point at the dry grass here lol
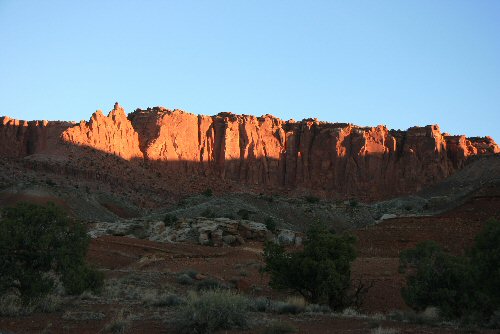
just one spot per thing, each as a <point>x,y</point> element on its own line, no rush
<point>211,311</point>
<point>13,305</point>
<point>118,324</point>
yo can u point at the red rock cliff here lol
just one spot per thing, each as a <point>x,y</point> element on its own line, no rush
<point>327,159</point>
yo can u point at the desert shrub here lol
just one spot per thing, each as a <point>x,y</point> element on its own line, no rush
<point>292,305</point>
<point>312,199</point>
<point>12,305</point>
<point>170,219</point>
<point>316,308</point>
<point>184,279</point>
<point>270,224</point>
<point>463,287</point>
<point>82,278</point>
<point>207,192</point>
<point>208,213</point>
<point>321,272</point>
<point>485,260</point>
<point>260,304</point>
<point>439,279</point>
<point>38,246</point>
<point>161,299</point>
<point>210,284</point>
<point>190,272</point>
<point>267,198</point>
<point>168,300</point>
<point>50,182</point>
<point>187,277</point>
<point>49,303</point>
<point>494,321</point>
<point>244,213</point>
<point>118,324</point>
<point>211,311</point>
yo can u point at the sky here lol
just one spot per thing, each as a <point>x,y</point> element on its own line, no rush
<point>397,63</point>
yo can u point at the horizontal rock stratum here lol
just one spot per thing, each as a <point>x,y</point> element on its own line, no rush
<point>265,153</point>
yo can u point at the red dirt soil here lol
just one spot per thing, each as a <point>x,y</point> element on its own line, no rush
<point>378,247</point>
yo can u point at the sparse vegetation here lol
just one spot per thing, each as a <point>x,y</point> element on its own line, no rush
<point>260,304</point>
<point>244,213</point>
<point>118,324</point>
<point>208,213</point>
<point>40,245</point>
<point>211,311</point>
<point>207,192</point>
<point>312,199</point>
<point>13,305</point>
<point>170,219</point>
<point>210,284</point>
<point>164,300</point>
<point>50,182</point>
<point>270,224</point>
<point>293,305</point>
<point>184,279</point>
<point>321,273</point>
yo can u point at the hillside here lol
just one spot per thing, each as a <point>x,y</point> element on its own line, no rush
<point>152,158</point>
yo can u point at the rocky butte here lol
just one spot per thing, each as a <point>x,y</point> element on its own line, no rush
<point>265,153</point>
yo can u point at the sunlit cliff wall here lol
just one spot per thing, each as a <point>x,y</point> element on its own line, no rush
<point>326,159</point>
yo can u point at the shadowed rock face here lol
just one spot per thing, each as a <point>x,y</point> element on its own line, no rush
<point>267,153</point>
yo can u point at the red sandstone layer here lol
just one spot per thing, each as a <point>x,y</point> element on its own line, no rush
<point>327,159</point>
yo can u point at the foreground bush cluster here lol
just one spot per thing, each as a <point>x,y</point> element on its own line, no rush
<point>321,272</point>
<point>40,247</point>
<point>461,287</point>
<point>42,250</point>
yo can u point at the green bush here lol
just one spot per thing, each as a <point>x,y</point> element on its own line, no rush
<point>312,199</point>
<point>485,259</point>
<point>207,192</point>
<point>439,279</point>
<point>184,279</point>
<point>244,213</point>
<point>170,219</point>
<point>211,311</point>
<point>166,300</point>
<point>208,213</point>
<point>321,272</point>
<point>270,224</point>
<point>39,244</point>
<point>463,287</point>
<point>210,284</point>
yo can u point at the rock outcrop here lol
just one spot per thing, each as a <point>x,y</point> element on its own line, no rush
<point>265,153</point>
<point>112,134</point>
<point>22,138</point>
<point>209,232</point>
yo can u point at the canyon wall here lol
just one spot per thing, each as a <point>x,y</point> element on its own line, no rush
<point>264,153</point>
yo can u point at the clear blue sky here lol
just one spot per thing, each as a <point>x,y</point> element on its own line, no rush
<point>399,63</point>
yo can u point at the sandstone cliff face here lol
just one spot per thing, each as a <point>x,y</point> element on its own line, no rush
<point>21,138</point>
<point>264,153</point>
<point>112,134</point>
